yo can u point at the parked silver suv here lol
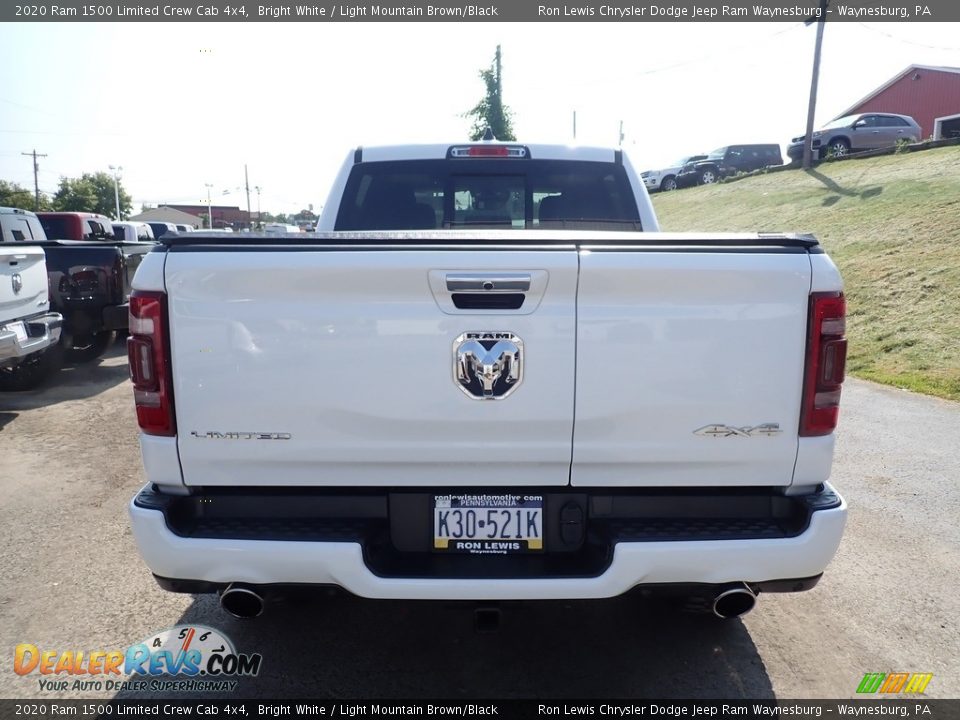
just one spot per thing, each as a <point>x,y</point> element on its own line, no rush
<point>865,131</point>
<point>665,180</point>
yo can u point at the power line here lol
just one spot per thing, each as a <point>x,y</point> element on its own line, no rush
<point>905,42</point>
<point>726,51</point>
<point>57,132</point>
<point>33,109</point>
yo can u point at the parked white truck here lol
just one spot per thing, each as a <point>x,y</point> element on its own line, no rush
<point>29,332</point>
<point>488,376</point>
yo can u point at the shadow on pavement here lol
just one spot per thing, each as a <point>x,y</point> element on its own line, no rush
<point>345,647</point>
<point>73,381</point>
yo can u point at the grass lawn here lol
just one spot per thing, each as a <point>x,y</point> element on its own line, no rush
<point>892,225</point>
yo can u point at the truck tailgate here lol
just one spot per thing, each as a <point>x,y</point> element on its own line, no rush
<point>686,358</point>
<point>335,367</point>
<point>23,281</point>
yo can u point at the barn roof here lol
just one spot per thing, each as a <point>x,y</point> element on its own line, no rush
<point>911,68</point>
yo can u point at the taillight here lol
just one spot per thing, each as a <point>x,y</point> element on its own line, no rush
<point>81,282</point>
<point>148,351</point>
<point>825,363</point>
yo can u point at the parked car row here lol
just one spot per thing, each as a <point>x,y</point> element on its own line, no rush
<point>88,265</point>
<point>726,161</point>
<point>706,169</point>
<point>852,133</point>
<point>159,229</point>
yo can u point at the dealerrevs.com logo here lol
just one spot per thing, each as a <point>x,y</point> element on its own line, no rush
<point>181,658</point>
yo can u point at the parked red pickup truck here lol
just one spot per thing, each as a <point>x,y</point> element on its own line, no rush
<point>76,226</point>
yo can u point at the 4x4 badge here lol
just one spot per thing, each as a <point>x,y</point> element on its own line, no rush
<point>722,431</point>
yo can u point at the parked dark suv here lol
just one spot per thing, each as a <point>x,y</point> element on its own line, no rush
<point>728,160</point>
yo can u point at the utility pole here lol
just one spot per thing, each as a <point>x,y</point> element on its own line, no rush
<point>209,207</point>
<point>574,125</point>
<point>116,186</point>
<point>258,189</point>
<point>498,111</point>
<point>820,18</point>
<point>246,182</point>
<point>36,185</point>
<point>620,136</point>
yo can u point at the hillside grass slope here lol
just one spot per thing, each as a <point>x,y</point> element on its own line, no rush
<point>891,224</point>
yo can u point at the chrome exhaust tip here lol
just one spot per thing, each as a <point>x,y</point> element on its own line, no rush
<point>734,602</point>
<point>242,601</point>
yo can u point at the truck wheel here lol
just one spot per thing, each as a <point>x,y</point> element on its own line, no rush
<point>838,148</point>
<point>32,373</point>
<point>668,183</point>
<point>91,347</point>
<point>708,176</point>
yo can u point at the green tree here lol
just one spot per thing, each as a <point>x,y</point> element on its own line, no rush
<point>490,112</point>
<point>305,216</point>
<point>91,193</point>
<point>12,195</point>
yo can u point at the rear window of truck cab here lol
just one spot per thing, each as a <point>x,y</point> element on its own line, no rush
<point>484,193</point>
<point>58,227</point>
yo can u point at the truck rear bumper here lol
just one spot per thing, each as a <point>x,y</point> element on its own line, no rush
<point>42,331</point>
<point>197,564</point>
<point>116,317</point>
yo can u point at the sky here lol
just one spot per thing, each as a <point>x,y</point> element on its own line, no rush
<point>183,105</point>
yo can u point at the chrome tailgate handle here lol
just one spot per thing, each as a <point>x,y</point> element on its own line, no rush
<point>488,282</point>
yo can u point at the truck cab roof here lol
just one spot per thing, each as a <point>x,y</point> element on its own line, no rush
<point>440,151</point>
<point>487,183</point>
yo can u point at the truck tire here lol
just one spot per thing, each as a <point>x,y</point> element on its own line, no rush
<point>838,148</point>
<point>668,183</point>
<point>708,176</point>
<point>91,347</point>
<point>32,373</point>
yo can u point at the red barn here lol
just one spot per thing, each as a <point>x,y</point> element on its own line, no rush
<point>930,95</point>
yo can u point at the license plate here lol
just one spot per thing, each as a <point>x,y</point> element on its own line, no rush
<point>18,329</point>
<point>488,524</point>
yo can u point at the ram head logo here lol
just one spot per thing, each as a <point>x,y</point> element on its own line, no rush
<point>488,365</point>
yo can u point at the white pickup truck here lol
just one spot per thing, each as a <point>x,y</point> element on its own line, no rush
<point>29,332</point>
<point>488,376</point>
